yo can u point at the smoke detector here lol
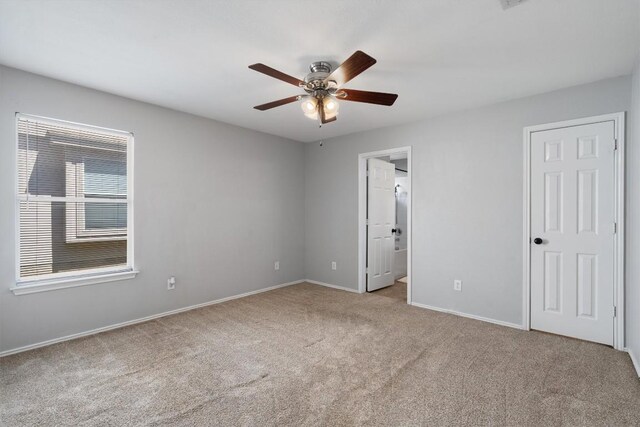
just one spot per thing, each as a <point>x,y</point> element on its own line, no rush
<point>506,4</point>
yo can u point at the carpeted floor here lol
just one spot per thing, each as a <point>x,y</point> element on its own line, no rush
<point>307,355</point>
<point>397,291</point>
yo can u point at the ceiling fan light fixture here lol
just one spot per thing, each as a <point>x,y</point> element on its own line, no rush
<point>330,104</point>
<point>309,105</point>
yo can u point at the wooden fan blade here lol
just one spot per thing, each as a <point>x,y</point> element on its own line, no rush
<point>261,68</point>
<point>354,65</point>
<point>277,103</point>
<point>323,117</point>
<point>368,97</point>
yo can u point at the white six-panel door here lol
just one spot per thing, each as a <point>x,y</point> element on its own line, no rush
<point>572,231</point>
<point>381,220</point>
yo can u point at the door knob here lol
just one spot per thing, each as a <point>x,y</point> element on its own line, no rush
<point>537,241</point>
<point>393,230</point>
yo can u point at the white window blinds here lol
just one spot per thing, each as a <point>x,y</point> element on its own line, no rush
<point>74,201</point>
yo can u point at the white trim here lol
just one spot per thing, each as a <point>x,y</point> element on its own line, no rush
<point>328,285</point>
<point>634,360</point>
<point>469,316</point>
<point>79,126</point>
<point>619,126</point>
<point>526,236</point>
<point>140,320</point>
<point>362,215</point>
<point>70,275</point>
<point>16,186</point>
<point>64,282</point>
<point>130,205</point>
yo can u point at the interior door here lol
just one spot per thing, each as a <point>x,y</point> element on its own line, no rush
<point>572,231</point>
<point>381,220</point>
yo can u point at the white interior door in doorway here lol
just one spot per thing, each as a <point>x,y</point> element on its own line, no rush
<point>380,223</point>
<point>572,216</point>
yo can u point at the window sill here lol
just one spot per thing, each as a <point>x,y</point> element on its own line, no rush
<point>26,288</point>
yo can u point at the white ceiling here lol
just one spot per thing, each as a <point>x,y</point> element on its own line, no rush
<point>438,55</point>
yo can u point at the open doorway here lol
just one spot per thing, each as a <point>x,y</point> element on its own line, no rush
<point>384,223</point>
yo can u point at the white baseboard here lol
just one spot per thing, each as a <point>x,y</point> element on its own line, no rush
<point>634,360</point>
<point>470,316</point>
<point>329,285</point>
<point>141,320</point>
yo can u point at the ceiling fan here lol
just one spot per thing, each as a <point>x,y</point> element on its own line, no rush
<point>323,87</point>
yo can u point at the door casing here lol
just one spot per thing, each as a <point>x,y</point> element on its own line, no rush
<point>362,215</point>
<point>619,156</point>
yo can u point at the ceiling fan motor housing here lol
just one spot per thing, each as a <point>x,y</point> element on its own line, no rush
<point>315,80</point>
<point>320,66</point>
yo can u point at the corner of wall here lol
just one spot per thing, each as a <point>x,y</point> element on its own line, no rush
<point>632,276</point>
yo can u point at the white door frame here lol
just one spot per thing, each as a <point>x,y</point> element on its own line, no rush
<point>618,270</point>
<point>362,215</point>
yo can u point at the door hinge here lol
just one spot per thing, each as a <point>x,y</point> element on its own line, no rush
<point>615,227</point>
<point>615,311</point>
<point>366,221</point>
<point>615,144</point>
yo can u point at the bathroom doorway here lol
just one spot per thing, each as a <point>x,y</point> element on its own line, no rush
<point>385,223</point>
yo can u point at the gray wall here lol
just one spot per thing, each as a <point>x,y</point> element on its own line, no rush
<point>467,198</point>
<point>633,221</point>
<point>215,205</point>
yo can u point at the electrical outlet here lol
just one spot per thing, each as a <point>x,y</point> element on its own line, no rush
<point>334,265</point>
<point>457,285</point>
<point>276,265</point>
<point>171,283</point>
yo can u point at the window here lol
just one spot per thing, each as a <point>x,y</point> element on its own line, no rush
<point>105,179</point>
<point>100,176</point>
<point>74,201</point>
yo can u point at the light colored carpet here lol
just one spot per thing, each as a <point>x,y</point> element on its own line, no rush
<point>397,291</point>
<point>307,355</point>
<point>403,279</point>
